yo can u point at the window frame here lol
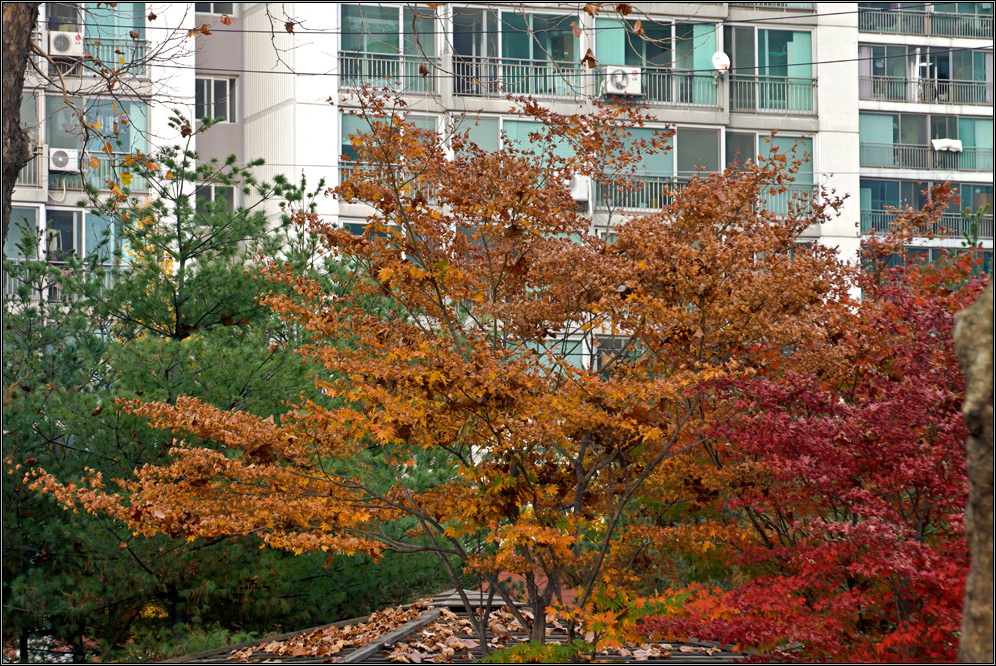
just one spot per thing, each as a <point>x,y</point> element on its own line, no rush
<point>234,12</point>
<point>232,112</point>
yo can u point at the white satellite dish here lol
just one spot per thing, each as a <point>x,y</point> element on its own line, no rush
<point>721,62</point>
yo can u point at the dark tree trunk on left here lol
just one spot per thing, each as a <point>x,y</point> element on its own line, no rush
<point>18,22</point>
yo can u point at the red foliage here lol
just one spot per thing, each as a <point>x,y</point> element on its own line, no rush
<point>853,480</point>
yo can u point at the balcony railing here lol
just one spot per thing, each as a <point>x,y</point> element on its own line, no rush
<point>644,192</point>
<point>907,156</point>
<point>951,225</point>
<point>405,73</point>
<point>667,86</point>
<point>773,94</point>
<point>906,22</point>
<point>129,56</point>
<point>653,192</point>
<point>30,175</point>
<point>802,6</point>
<point>890,89</point>
<point>109,170</point>
<point>482,76</point>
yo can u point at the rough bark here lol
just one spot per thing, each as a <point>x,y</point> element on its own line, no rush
<point>973,336</point>
<point>18,22</point>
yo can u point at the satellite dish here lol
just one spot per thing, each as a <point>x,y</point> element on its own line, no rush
<point>721,62</point>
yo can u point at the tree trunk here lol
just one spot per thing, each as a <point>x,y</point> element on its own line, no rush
<point>18,22</point>
<point>973,336</point>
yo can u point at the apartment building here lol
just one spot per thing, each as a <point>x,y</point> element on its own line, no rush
<point>884,98</point>
<point>926,113</point>
<point>109,77</point>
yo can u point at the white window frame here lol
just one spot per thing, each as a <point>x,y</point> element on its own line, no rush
<point>234,12</point>
<point>232,112</point>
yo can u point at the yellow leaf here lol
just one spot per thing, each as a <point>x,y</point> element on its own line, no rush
<point>94,162</point>
<point>107,148</point>
<point>126,179</point>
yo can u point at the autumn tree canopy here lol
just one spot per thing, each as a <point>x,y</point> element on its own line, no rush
<point>550,373</point>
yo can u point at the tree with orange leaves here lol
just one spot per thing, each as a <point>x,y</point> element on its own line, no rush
<point>495,361</point>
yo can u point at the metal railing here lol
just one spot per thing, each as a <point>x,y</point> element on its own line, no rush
<point>30,175</point>
<point>951,225</point>
<point>643,192</point>
<point>653,192</point>
<point>803,6</point>
<point>483,76</point>
<point>126,56</point>
<point>667,86</point>
<point>773,94</point>
<point>405,73</point>
<point>908,156</point>
<point>893,89</point>
<point>941,24</point>
<point>103,176</point>
<point>797,195</point>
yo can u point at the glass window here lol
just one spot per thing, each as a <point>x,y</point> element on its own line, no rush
<point>485,132</point>
<point>223,195</point>
<point>215,7</point>
<point>63,232</point>
<point>617,44</point>
<point>62,125</point>
<point>739,148</point>
<point>698,149</point>
<point>29,115</point>
<point>122,124</point>
<point>215,98</point>
<point>115,20</point>
<point>23,226</point>
<point>64,16</point>
<point>794,148</point>
<point>100,236</point>
<point>518,134</point>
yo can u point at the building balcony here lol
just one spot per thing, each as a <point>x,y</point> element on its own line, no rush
<point>800,6</point>
<point>667,87</point>
<point>482,76</point>
<point>951,225</point>
<point>936,24</point>
<point>103,176</point>
<point>125,56</point>
<point>653,192</point>
<point>30,175</point>
<point>928,91</point>
<point>907,156</point>
<point>779,95</point>
<point>404,73</point>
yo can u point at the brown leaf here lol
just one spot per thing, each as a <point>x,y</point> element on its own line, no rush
<point>289,26</point>
<point>638,27</point>
<point>624,9</point>
<point>423,70</point>
<point>226,19</point>
<point>589,59</point>
<point>204,29</point>
<point>575,28</point>
<point>185,131</point>
<point>94,162</point>
<point>591,8</point>
<point>133,34</point>
<point>152,16</point>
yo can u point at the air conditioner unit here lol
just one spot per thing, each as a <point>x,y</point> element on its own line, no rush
<point>65,160</point>
<point>66,44</point>
<point>581,187</point>
<point>622,81</point>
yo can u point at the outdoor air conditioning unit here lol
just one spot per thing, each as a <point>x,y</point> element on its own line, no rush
<point>622,81</point>
<point>64,160</point>
<point>66,44</point>
<point>581,188</point>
